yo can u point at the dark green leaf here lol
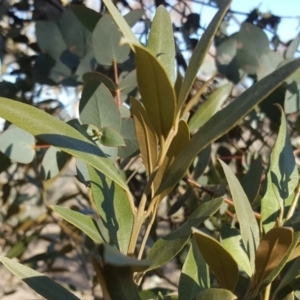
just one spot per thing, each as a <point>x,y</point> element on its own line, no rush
<point>88,17</point>
<point>42,284</point>
<point>90,76</point>
<point>169,246</point>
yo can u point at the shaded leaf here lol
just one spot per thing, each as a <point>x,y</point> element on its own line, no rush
<point>42,284</point>
<point>81,221</point>
<point>90,76</point>
<point>252,44</point>
<point>18,145</point>
<point>194,275</point>
<point>129,136</point>
<point>98,107</point>
<point>88,17</point>
<point>210,106</point>
<point>128,83</point>
<point>170,245</point>
<point>292,48</point>
<point>106,42</point>
<point>218,259</point>
<point>247,222</point>
<point>268,63</point>
<point>161,41</point>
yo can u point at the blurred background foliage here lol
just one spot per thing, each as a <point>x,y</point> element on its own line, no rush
<point>47,53</point>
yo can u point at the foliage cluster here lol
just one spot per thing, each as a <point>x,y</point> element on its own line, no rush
<point>137,108</point>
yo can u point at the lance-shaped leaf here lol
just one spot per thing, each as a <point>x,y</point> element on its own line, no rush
<point>42,284</point>
<point>232,242</point>
<point>161,41</point>
<point>121,22</point>
<point>97,106</point>
<point>169,246</point>
<point>218,259</point>
<point>18,145</point>
<point>81,221</point>
<point>114,207</point>
<point>224,120</point>
<point>283,169</point>
<point>58,134</point>
<point>210,106</point>
<point>199,53</point>
<point>216,294</point>
<point>248,224</point>
<point>181,138</point>
<point>145,134</point>
<point>157,93</point>
<point>194,275</point>
<point>270,252</point>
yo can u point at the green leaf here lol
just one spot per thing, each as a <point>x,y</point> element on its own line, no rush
<point>268,63</point>
<point>58,134</point>
<point>194,275</point>
<point>216,294</point>
<point>146,137</point>
<point>133,17</point>
<point>292,48</point>
<point>88,17</point>
<point>199,53</point>
<point>42,284</point>
<point>4,162</point>
<point>224,120</point>
<point>97,106</point>
<point>110,137</point>
<point>106,42</point>
<point>114,207</point>
<point>161,41</point>
<point>170,245</point>
<point>121,22</point>
<point>270,252</point>
<point>91,76</point>
<point>53,163</point>
<point>210,106</point>
<point>248,224</point>
<point>283,167</point>
<point>129,136</point>
<point>85,223</point>
<point>18,145</point>
<point>128,83</point>
<point>252,44</point>
<point>232,243</point>
<point>157,93</point>
<point>220,262</point>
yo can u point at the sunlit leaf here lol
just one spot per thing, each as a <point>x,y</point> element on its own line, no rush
<point>247,222</point>
<point>194,275</point>
<point>114,207</point>
<point>210,106</point>
<point>83,222</point>
<point>161,41</point>
<point>157,93</point>
<point>216,294</point>
<point>232,242</point>
<point>18,145</point>
<point>220,262</point>
<point>58,134</point>
<point>224,120</point>
<point>199,53</point>
<point>42,284</point>
<point>110,137</point>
